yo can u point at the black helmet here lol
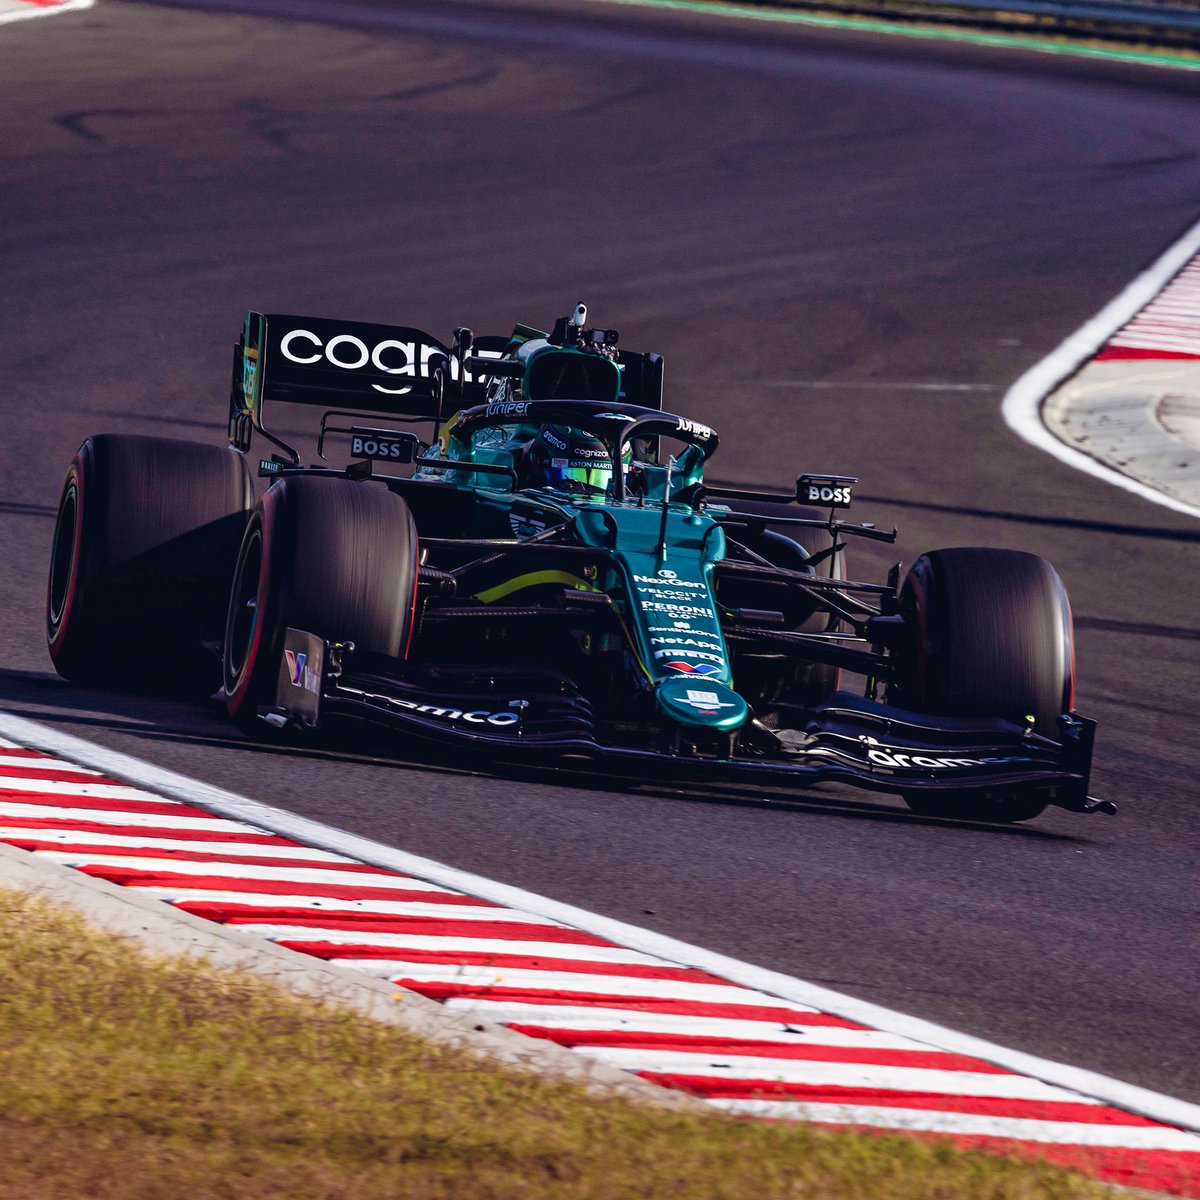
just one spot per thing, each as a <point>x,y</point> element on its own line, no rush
<point>569,460</point>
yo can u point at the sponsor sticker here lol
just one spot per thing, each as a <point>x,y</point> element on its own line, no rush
<point>685,641</point>
<point>507,408</point>
<point>301,674</point>
<point>350,353</point>
<point>700,432</point>
<point>706,702</point>
<point>677,652</point>
<point>822,489</point>
<point>478,717</point>
<point>693,668</point>
<point>668,579</point>
<point>678,611</point>
<point>661,593</point>
<point>381,447</point>
<point>932,761</point>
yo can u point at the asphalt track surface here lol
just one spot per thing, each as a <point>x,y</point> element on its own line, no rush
<point>846,247</point>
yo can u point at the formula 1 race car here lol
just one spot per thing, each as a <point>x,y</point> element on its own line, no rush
<point>546,581</point>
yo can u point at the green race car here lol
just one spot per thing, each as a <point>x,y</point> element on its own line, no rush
<point>547,576</point>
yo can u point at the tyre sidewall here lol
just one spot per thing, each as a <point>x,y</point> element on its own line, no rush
<point>936,675</point>
<point>251,681</point>
<point>338,560</point>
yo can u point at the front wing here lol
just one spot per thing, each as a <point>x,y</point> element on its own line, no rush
<point>539,716</point>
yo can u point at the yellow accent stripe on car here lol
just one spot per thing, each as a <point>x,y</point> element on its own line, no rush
<point>533,579</point>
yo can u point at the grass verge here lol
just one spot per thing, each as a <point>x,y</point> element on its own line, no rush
<point>139,1078</point>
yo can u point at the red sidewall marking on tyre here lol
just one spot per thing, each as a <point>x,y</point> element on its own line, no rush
<point>76,471</point>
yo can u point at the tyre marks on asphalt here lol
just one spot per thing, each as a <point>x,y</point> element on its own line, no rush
<point>744,1051</point>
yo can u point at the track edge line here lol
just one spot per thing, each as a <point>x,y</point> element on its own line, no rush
<point>1023,404</point>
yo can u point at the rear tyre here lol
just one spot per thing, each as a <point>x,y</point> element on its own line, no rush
<point>144,544</point>
<point>993,637</point>
<point>334,558</point>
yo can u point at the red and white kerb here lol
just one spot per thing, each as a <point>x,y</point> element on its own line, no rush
<point>742,1050</point>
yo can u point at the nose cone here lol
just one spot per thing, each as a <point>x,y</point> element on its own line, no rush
<point>694,700</point>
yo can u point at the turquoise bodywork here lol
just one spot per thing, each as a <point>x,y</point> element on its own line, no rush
<point>663,597</point>
<point>661,551</point>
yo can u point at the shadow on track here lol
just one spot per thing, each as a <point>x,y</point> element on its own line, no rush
<point>1163,533</point>
<point>44,697</point>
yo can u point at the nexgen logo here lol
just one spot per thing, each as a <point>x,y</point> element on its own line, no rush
<point>350,353</point>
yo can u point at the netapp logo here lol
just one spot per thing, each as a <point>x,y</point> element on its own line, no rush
<point>350,353</point>
<point>685,641</point>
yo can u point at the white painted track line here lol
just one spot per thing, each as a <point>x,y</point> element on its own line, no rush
<point>1022,408</point>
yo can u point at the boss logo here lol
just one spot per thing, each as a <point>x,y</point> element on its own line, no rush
<point>828,495</point>
<point>362,447</point>
<point>824,489</point>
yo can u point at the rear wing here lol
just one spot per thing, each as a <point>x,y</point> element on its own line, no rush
<point>392,370</point>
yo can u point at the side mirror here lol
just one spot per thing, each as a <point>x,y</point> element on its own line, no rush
<point>496,368</point>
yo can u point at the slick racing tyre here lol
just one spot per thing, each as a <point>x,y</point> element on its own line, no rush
<point>329,556</point>
<point>993,637</point>
<point>144,544</point>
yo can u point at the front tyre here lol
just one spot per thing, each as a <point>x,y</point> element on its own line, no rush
<point>992,637</point>
<point>332,557</point>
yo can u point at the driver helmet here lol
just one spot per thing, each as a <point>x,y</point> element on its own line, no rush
<point>568,460</point>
